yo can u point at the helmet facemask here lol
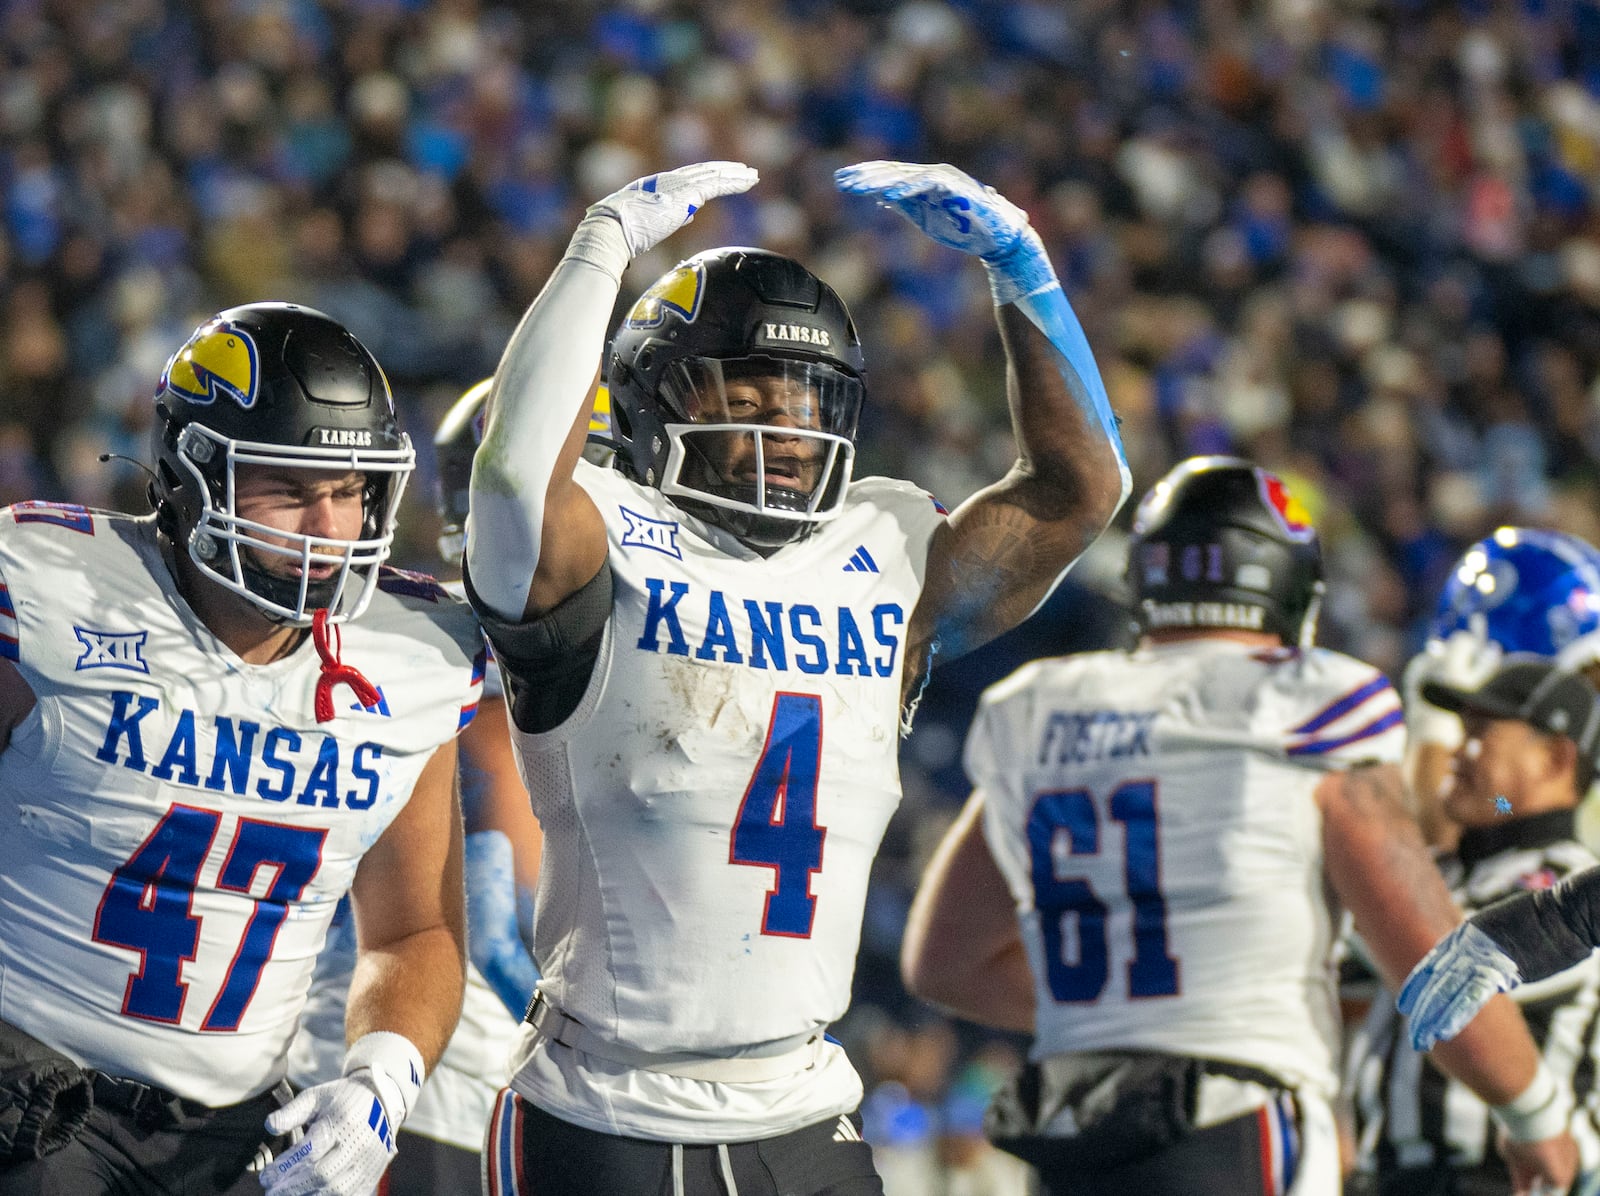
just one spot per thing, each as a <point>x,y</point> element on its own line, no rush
<point>221,542</point>
<point>762,445</point>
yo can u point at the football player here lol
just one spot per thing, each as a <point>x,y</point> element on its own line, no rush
<point>709,651</point>
<point>439,1150</point>
<point>1517,591</point>
<point>216,721</point>
<point>1140,876</point>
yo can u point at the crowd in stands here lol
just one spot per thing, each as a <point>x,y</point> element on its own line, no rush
<point>1359,243</point>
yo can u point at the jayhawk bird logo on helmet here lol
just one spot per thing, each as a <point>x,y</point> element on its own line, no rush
<point>219,360</point>
<point>677,291</point>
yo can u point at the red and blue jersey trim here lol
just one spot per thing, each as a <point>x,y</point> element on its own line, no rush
<point>1342,708</point>
<point>502,1163</point>
<point>1377,726</point>
<point>409,584</point>
<point>8,625</point>
<point>479,664</point>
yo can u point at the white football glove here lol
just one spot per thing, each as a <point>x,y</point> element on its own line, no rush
<point>653,208</point>
<point>955,209</point>
<point>349,1123</point>
<point>1452,983</point>
<point>1464,660</point>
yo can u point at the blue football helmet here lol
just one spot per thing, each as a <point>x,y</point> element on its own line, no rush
<point>1528,590</point>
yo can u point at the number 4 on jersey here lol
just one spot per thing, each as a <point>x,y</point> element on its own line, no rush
<point>777,824</point>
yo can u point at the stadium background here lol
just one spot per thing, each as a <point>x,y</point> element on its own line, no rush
<point>1358,242</point>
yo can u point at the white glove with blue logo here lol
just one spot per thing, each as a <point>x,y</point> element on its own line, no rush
<point>349,1123</point>
<point>651,209</point>
<point>955,209</point>
<point>1464,660</point>
<point>1452,983</point>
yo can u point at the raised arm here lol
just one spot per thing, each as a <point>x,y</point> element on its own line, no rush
<point>534,536</point>
<point>1004,550</point>
<point>1381,870</point>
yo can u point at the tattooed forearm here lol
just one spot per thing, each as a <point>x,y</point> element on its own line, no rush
<point>1006,547</point>
<point>1380,867</point>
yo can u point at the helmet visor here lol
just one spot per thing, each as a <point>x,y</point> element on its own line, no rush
<point>763,435</point>
<point>810,395</point>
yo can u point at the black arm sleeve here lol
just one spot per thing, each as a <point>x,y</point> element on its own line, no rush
<point>546,662</point>
<point>1548,930</point>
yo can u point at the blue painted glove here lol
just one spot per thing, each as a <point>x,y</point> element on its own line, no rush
<point>955,209</point>
<point>494,941</point>
<point>1452,983</point>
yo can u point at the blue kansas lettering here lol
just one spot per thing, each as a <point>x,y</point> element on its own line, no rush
<point>664,612</point>
<point>270,757</point>
<point>817,662</point>
<point>123,725</point>
<point>239,749</point>
<point>766,635</point>
<point>771,634</point>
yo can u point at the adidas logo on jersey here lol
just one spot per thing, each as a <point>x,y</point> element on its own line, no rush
<point>380,707</point>
<point>845,1132</point>
<point>861,561</point>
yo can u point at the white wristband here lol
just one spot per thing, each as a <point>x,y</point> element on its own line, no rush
<point>600,242</point>
<point>396,1068</point>
<point>1542,1110</point>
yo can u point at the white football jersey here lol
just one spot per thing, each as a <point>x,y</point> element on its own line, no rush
<point>459,1093</point>
<point>182,826</point>
<point>712,809</point>
<point>1154,817</point>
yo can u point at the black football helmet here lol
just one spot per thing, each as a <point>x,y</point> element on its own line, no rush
<point>279,385</point>
<point>736,384</point>
<point>1222,543</point>
<point>454,445</point>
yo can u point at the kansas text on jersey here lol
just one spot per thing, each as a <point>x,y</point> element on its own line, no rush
<point>179,825</point>
<point>712,808</point>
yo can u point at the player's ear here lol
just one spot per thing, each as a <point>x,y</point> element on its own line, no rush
<point>1560,758</point>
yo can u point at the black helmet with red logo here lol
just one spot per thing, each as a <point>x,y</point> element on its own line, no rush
<point>1221,543</point>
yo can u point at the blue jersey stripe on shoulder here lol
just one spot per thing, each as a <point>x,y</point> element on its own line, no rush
<point>1340,707</point>
<point>1322,746</point>
<point>9,648</point>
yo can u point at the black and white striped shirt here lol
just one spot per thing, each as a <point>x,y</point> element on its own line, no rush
<point>1409,1114</point>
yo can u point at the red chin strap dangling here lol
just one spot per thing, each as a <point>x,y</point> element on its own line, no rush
<point>326,637</point>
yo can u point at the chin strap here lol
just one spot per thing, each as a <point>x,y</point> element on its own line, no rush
<point>334,671</point>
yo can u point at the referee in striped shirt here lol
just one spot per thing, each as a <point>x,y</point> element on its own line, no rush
<point>1532,741</point>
